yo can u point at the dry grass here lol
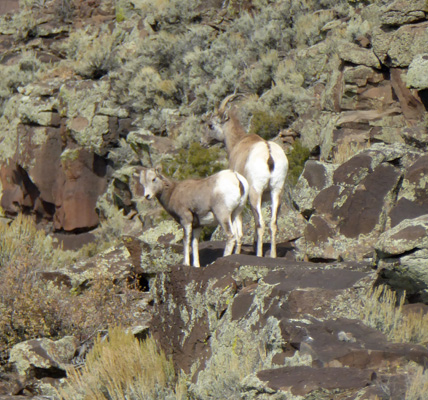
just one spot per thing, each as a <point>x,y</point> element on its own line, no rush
<point>121,367</point>
<point>33,307</point>
<point>418,385</point>
<point>22,241</point>
<point>382,310</point>
<point>348,148</point>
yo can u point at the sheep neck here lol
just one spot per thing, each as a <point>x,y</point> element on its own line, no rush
<point>165,195</point>
<point>234,133</point>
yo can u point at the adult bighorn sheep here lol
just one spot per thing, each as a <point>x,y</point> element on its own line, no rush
<point>263,163</point>
<point>194,203</point>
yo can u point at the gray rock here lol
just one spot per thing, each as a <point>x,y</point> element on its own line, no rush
<point>417,75</point>
<point>408,235</point>
<point>355,54</point>
<point>402,12</point>
<point>348,216</point>
<point>412,199</point>
<point>416,136</point>
<point>43,354</point>
<point>266,328</point>
<point>361,75</point>
<point>290,379</point>
<point>315,177</point>
<point>403,255</point>
<point>399,48</point>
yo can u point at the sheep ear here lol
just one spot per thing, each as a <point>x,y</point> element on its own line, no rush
<point>225,116</point>
<point>137,172</point>
<point>158,169</point>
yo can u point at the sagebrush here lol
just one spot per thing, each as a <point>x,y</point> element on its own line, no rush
<point>120,366</point>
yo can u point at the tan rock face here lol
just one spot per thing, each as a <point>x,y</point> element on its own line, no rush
<point>7,6</point>
<point>65,191</point>
<point>77,190</point>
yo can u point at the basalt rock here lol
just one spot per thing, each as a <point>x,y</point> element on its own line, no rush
<point>412,200</point>
<point>351,206</point>
<point>40,363</point>
<point>315,177</point>
<point>303,316</point>
<point>402,253</point>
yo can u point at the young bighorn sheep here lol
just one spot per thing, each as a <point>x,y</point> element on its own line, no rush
<point>195,203</point>
<point>263,163</point>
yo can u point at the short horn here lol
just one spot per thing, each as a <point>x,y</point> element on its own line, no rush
<point>226,100</point>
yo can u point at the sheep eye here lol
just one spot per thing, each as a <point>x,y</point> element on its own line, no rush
<point>154,179</point>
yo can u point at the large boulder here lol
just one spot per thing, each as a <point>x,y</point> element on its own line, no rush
<point>302,381</point>
<point>77,188</point>
<point>417,74</point>
<point>401,12</point>
<point>402,253</point>
<point>352,205</point>
<point>397,48</point>
<point>348,215</point>
<point>357,55</point>
<point>315,177</point>
<point>36,357</point>
<point>412,199</point>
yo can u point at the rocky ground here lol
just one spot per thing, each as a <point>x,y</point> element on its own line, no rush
<point>241,326</point>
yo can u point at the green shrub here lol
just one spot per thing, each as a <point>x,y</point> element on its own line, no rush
<point>260,76</point>
<point>94,51</point>
<point>22,241</point>
<point>277,108</point>
<point>25,25</point>
<point>32,307</point>
<point>25,71</point>
<point>267,125</point>
<point>120,14</point>
<point>195,162</point>
<point>297,159</point>
<point>64,10</point>
<point>308,27</point>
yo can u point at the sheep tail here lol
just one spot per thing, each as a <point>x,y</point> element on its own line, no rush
<point>270,161</point>
<point>243,185</point>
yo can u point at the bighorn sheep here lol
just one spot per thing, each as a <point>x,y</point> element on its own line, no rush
<point>195,203</point>
<point>263,163</point>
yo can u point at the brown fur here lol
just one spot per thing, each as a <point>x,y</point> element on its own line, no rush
<point>264,170</point>
<point>197,202</point>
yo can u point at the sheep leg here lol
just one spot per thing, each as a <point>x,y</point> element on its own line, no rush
<point>226,224</point>
<point>237,228</point>
<point>274,222</point>
<point>187,237</point>
<point>195,246</point>
<point>256,208</point>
